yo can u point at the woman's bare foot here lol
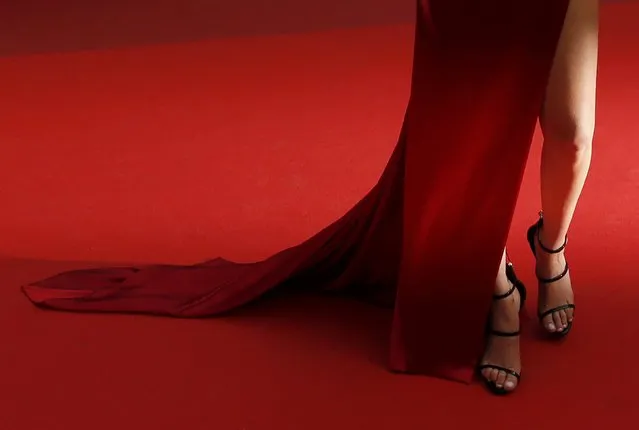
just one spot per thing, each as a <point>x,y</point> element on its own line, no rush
<point>553,294</point>
<point>503,351</point>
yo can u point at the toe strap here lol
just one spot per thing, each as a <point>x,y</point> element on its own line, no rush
<point>557,309</point>
<point>501,369</point>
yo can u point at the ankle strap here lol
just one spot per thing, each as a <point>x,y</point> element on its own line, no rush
<point>547,250</point>
<point>506,294</point>
<point>504,333</point>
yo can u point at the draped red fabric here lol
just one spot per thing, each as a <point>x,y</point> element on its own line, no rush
<point>428,237</point>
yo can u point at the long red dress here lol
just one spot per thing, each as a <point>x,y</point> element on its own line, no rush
<point>429,236</point>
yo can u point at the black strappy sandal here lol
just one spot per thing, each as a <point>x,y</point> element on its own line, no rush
<point>519,286</point>
<point>533,239</point>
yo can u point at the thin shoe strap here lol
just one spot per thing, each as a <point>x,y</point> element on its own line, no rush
<point>550,251</point>
<point>503,333</point>
<point>544,248</point>
<point>500,368</point>
<point>543,315</point>
<point>555,278</point>
<point>506,294</point>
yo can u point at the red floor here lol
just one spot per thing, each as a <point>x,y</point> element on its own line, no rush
<point>122,155</point>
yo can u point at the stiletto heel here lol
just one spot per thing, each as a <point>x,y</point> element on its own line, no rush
<point>518,286</point>
<point>533,240</point>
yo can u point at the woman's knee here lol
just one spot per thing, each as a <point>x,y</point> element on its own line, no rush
<point>572,133</point>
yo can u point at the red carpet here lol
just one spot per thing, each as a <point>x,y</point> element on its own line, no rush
<point>144,120</point>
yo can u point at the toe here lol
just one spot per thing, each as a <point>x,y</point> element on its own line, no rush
<point>494,374</point>
<point>486,373</point>
<point>556,318</point>
<point>511,383</point>
<point>501,379</point>
<point>570,314</point>
<point>549,324</point>
<point>564,318</point>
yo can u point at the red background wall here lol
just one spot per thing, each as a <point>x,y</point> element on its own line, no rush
<point>43,25</point>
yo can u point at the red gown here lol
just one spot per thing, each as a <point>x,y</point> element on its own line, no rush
<point>429,236</point>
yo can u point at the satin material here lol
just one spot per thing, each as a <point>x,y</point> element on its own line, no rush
<point>428,238</point>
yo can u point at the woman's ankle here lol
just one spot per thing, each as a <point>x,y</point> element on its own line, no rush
<point>550,235</point>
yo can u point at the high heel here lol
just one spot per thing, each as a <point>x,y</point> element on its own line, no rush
<point>533,240</point>
<point>519,286</point>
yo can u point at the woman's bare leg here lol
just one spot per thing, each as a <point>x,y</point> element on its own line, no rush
<point>568,124</point>
<point>503,351</point>
<point>567,121</point>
